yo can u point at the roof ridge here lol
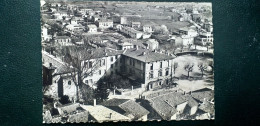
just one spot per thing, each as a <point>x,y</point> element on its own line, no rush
<point>124,102</point>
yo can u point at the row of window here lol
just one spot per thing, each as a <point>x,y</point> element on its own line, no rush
<point>151,67</point>
<point>116,64</point>
<point>151,75</point>
<point>63,40</point>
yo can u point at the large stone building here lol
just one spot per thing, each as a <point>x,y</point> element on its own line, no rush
<point>146,67</point>
<point>131,32</point>
<point>104,23</point>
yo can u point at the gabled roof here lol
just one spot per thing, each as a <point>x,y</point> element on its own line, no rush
<point>152,41</point>
<point>206,93</point>
<point>129,107</point>
<point>92,26</point>
<point>149,56</point>
<point>166,105</point>
<point>87,54</point>
<point>105,20</point>
<point>101,113</point>
<point>60,66</point>
<point>186,29</point>
<point>69,108</point>
<point>79,117</point>
<point>208,108</point>
<point>62,37</point>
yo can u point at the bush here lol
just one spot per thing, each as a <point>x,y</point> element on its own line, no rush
<point>65,99</point>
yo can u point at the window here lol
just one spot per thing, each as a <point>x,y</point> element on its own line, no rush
<point>121,60</point>
<point>116,64</point>
<point>130,61</point>
<point>90,81</point>
<point>160,73</point>
<point>116,57</point>
<point>151,75</point>
<point>112,73</point>
<point>167,72</point>
<point>160,64</point>
<point>151,67</point>
<point>112,59</point>
<point>133,63</point>
<point>85,64</point>
<point>104,62</point>
<point>69,82</point>
<point>86,81</point>
<point>99,72</point>
<point>111,65</point>
<point>90,64</point>
<point>100,63</point>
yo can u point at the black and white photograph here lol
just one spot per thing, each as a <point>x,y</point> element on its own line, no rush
<point>120,61</point>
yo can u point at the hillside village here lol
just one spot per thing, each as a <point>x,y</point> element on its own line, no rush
<point>127,61</point>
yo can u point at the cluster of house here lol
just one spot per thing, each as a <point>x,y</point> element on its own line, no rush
<point>160,105</point>
<point>73,19</point>
<point>135,56</point>
<point>149,68</point>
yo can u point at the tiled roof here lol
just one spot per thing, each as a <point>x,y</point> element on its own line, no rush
<point>69,108</point>
<point>97,53</point>
<point>101,113</point>
<point>203,93</point>
<point>62,37</point>
<point>207,107</point>
<point>153,41</point>
<point>128,106</point>
<point>186,29</point>
<point>133,108</point>
<point>60,66</point>
<point>149,56</point>
<point>105,20</point>
<point>92,26</point>
<point>79,117</point>
<point>114,102</point>
<point>165,105</point>
<point>133,42</point>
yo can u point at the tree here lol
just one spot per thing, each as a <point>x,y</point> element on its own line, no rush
<point>202,67</point>
<point>188,68</point>
<point>102,91</point>
<point>55,28</point>
<point>65,99</point>
<point>81,63</point>
<point>119,82</point>
<point>87,94</point>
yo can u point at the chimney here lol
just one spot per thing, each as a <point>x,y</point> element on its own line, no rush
<point>110,115</point>
<point>105,54</point>
<point>184,92</point>
<point>144,53</point>
<point>95,102</point>
<point>50,64</point>
<point>136,47</point>
<point>132,88</point>
<point>204,101</point>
